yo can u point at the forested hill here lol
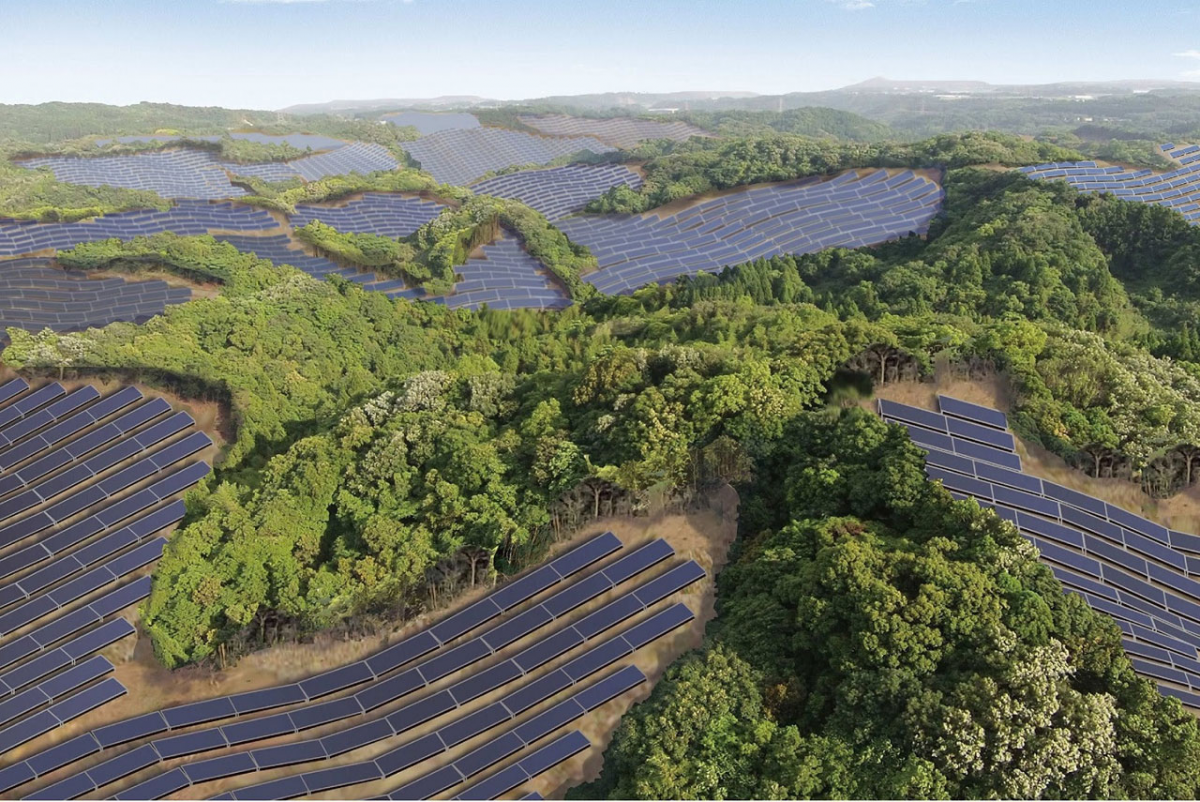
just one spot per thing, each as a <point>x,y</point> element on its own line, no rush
<point>874,637</point>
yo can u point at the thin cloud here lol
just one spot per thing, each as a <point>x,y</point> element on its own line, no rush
<point>853,5</point>
<point>1188,54</point>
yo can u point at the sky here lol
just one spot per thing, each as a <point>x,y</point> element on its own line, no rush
<point>269,54</point>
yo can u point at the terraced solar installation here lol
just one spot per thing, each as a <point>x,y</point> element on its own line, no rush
<point>385,214</point>
<point>20,237</point>
<point>850,211</point>
<point>558,191</point>
<point>431,122</point>
<point>1177,189</point>
<point>524,664</point>
<point>200,174</point>
<point>182,173</point>
<point>1143,575</point>
<point>623,132</point>
<point>88,480</point>
<point>459,156</point>
<point>506,277</point>
<point>35,296</point>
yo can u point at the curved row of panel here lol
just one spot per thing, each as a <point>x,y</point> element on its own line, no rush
<point>430,122</point>
<point>623,132</point>
<point>18,237</point>
<point>35,296</point>
<point>1175,189</point>
<point>849,211</point>
<point>460,155</point>
<point>89,479</point>
<point>366,672</point>
<point>201,174</point>
<point>559,191</point>
<point>505,277</point>
<point>465,726</point>
<point>1138,572</point>
<point>382,213</point>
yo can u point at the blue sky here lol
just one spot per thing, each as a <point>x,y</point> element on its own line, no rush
<point>274,53</point>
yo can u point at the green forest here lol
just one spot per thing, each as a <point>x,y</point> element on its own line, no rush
<point>874,637</point>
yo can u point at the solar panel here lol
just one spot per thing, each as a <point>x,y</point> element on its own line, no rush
<point>336,680</point>
<point>409,754</point>
<point>453,660</point>
<point>548,648</point>
<point>478,613</point>
<point>357,737</point>
<point>433,783</point>
<point>156,788</point>
<point>130,729</point>
<point>189,743</point>
<point>608,616</point>
<point>597,658</point>
<point>252,701</point>
<point>283,788</point>
<point>630,565</point>
<point>980,434</point>
<point>672,581</point>
<point>473,724</point>
<point>484,681</point>
<point>972,412</point>
<point>218,767</point>
<point>421,711</point>
<point>587,554</point>
<point>325,712</point>
<point>257,729</point>
<point>536,692</point>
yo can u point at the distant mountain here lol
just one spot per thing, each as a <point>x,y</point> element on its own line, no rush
<point>1061,88</point>
<point>344,106</point>
<point>603,101</point>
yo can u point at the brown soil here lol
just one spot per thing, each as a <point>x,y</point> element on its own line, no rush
<point>704,536</point>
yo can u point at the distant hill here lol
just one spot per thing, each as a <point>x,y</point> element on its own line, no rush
<point>347,106</point>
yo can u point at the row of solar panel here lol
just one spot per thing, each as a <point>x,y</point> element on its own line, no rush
<point>201,174</point>
<point>848,211</point>
<point>460,155</point>
<point>1159,614</point>
<point>623,132</point>
<point>413,715</point>
<point>315,687</point>
<point>379,693</point>
<point>184,218</point>
<point>559,191</point>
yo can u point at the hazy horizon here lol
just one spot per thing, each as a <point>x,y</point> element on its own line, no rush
<point>270,54</point>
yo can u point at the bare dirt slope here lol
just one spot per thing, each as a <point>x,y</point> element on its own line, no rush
<point>1181,511</point>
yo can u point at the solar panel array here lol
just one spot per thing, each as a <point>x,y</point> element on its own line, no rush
<point>199,174</point>
<point>1175,189</point>
<point>382,213</point>
<point>86,482</point>
<point>1138,572</point>
<point>35,296</point>
<point>620,131</point>
<point>183,173</point>
<point>506,277</point>
<point>360,157</point>
<point>18,237</point>
<point>400,689</point>
<point>300,141</point>
<point>558,191</point>
<point>461,155</point>
<point>431,122</point>
<point>849,211</point>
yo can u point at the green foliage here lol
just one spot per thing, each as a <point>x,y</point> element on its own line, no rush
<point>811,121</point>
<point>201,258</point>
<point>880,640</point>
<point>36,195</point>
<point>283,196</point>
<point>677,170</point>
<point>369,251</point>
